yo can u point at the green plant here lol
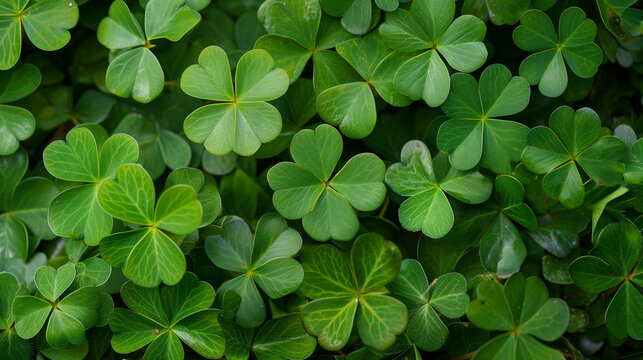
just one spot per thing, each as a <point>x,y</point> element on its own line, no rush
<point>346,179</point>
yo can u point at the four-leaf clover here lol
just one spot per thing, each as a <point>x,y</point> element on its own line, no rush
<point>427,181</point>
<point>147,254</point>
<point>136,71</point>
<point>573,139</point>
<point>263,260</point>
<point>68,317</point>
<point>524,310</point>
<point>574,43</point>
<point>164,317</point>
<point>343,294</point>
<point>428,28</point>
<point>614,263</point>
<point>474,133</point>
<point>304,189</point>
<point>241,120</point>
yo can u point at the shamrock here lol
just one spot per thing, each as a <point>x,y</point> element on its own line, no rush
<point>446,295</point>
<point>264,260</point>
<point>524,310</point>
<point>136,71</point>
<point>343,293</point>
<point>427,181</point>
<point>241,120</point>
<point>16,123</point>
<point>68,317</point>
<point>23,204</point>
<point>164,317</point>
<point>147,254</point>
<point>474,133</point>
<point>303,189</point>
<point>572,139</point>
<point>298,30</point>
<point>501,247</point>
<point>501,12</point>
<point>574,43</point>
<point>10,343</point>
<point>46,24</point>
<point>351,106</point>
<point>614,263</point>
<point>428,28</point>
<point>159,147</point>
<point>88,157</point>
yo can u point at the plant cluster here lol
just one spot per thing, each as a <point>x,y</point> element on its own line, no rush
<point>328,179</point>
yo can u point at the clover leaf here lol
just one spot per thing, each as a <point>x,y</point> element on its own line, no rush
<point>264,260</point>
<point>298,30</point>
<point>351,106</point>
<point>147,254</point>
<point>283,337</point>
<point>523,309</point>
<point>426,182</point>
<point>67,318</point>
<point>429,28</point>
<point>88,158</point>
<point>614,263</point>
<point>304,188</point>
<point>343,294</point>
<point>163,318</point>
<point>574,46</point>
<point>241,120</point>
<point>573,139</point>
<point>207,193</point>
<point>447,295</point>
<point>634,164</point>
<point>501,247</point>
<point>474,133</point>
<point>46,24</point>
<point>10,342</point>
<point>16,123</point>
<point>136,71</point>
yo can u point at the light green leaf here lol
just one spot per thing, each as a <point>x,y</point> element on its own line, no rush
<point>284,337</point>
<point>120,30</point>
<point>331,320</point>
<point>379,319</point>
<point>350,107</point>
<point>129,196</point>
<point>376,261</point>
<point>53,282</point>
<point>30,313</point>
<point>47,23</point>
<point>178,210</point>
<point>326,274</point>
<point>169,19</point>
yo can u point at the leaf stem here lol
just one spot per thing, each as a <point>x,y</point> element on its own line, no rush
<point>387,200</point>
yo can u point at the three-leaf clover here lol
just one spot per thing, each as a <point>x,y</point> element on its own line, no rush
<point>87,157</point>
<point>16,123</point>
<point>46,24</point>
<point>67,318</point>
<point>136,71</point>
<point>426,182</point>
<point>574,43</point>
<point>614,262</point>
<point>351,106</point>
<point>298,30</point>
<point>241,120</point>
<point>304,188</point>
<point>147,254</point>
<point>447,295</point>
<point>343,294</point>
<point>428,28</point>
<point>573,139</point>
<point>164,317</point>
<point>263,260</point>
<point>524,310</point>
<point>10,342</point>
<point>474,133</point>
<point>501,247</point>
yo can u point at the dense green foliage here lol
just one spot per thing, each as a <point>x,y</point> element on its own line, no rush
<point>333,179</point>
